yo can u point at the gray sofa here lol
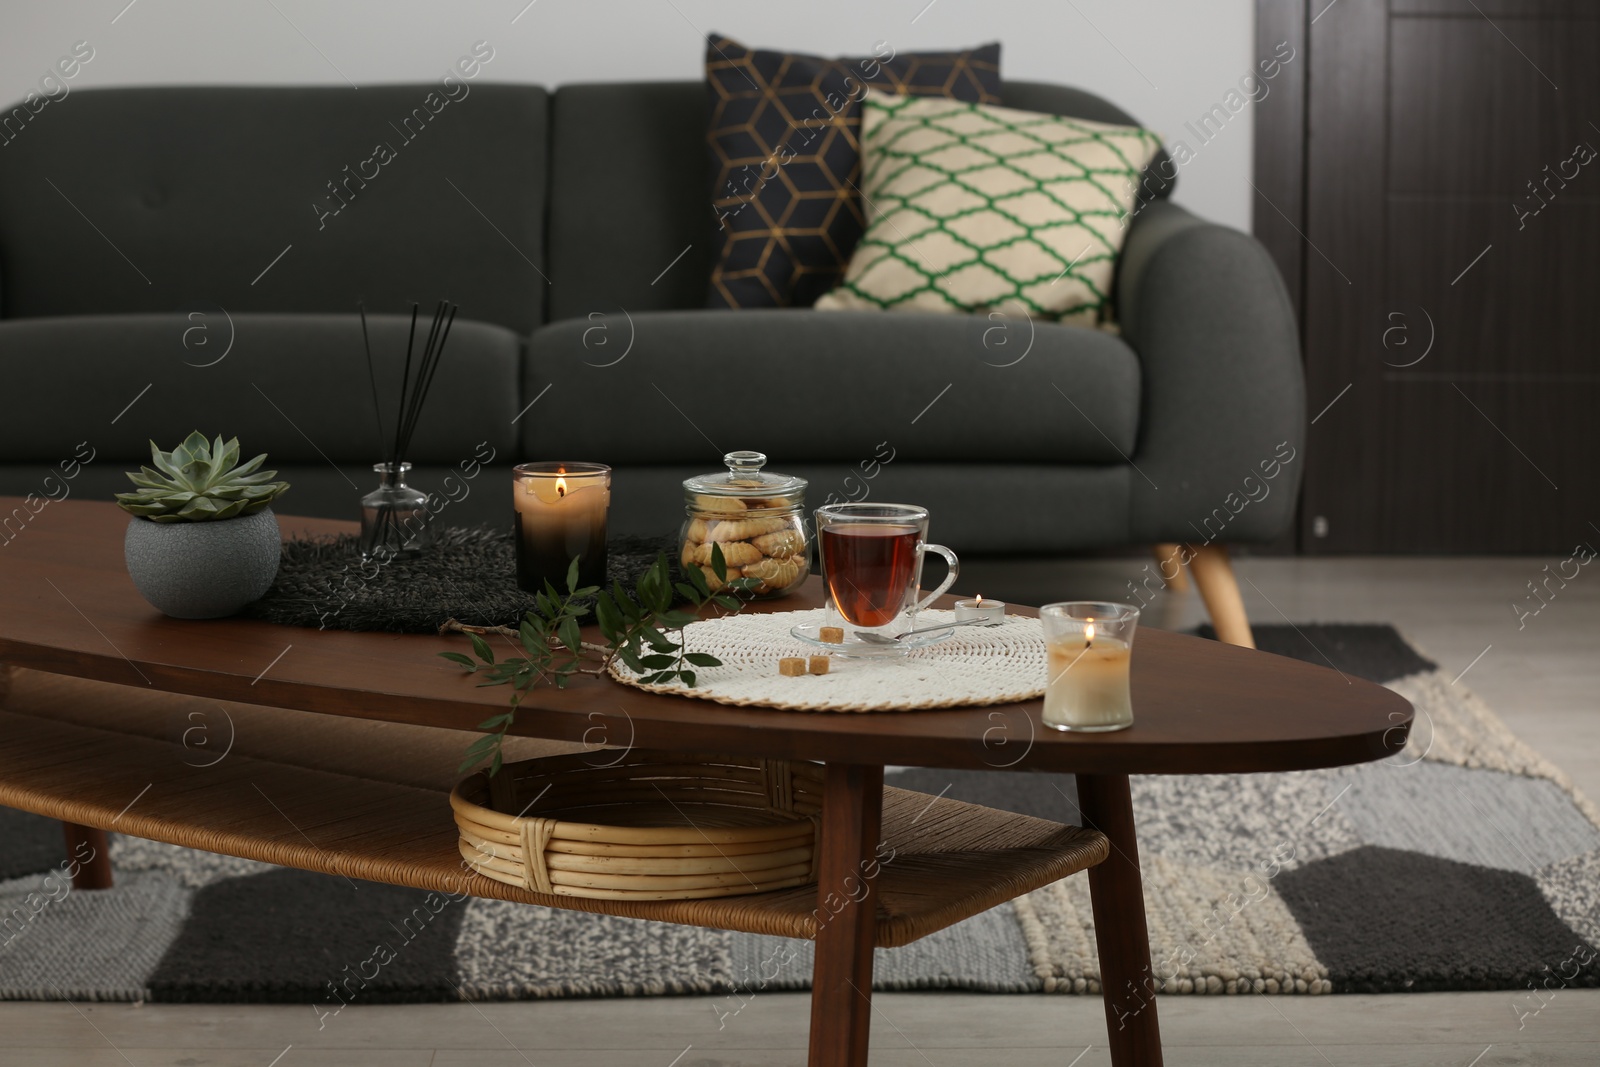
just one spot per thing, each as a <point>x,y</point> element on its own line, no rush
<point>172,259</point>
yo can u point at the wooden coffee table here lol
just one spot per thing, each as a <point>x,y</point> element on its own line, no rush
<point>68,608</point>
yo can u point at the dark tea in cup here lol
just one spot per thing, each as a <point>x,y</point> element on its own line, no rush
<point>869,568</point>
<point>872,561</point>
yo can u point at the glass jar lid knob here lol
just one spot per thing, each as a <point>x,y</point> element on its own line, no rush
<point>744,465</point>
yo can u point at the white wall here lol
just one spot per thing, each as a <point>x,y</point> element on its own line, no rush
<point>1164,61</point>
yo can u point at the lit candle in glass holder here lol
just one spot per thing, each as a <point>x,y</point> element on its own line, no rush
<point>979,610</point>
<point>561,514</point>
<point>1088,648</point>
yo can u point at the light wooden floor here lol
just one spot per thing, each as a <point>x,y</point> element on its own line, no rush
<point>908,1030</point>
<point>1542,678</point>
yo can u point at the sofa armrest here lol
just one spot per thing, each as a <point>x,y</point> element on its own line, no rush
<point>1222,428</point>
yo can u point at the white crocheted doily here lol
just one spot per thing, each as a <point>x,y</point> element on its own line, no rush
<point>976,665</point>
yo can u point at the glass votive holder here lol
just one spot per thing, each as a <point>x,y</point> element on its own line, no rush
<point>981,611</point>
<point>1088,646</point>
<point>561,515</point>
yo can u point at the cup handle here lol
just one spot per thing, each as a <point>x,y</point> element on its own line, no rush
<point>949,579</point>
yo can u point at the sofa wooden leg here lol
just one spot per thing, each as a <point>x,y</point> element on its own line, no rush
<point>1169,562</point>
<point>1213,574</point>
<point>89,849</point>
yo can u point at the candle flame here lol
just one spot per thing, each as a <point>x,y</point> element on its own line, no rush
<point>1088,633</point>
<point>561,487</point>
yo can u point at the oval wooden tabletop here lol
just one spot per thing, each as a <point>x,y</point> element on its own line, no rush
<point>68,606</point>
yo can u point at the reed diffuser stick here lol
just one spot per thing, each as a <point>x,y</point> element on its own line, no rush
<point>416,382</point>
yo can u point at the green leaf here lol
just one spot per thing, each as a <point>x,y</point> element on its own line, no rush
<point>659,581</point>
<point>532,639</point>
<point>586,592</point>
<point>676,620</point>
<point>723,601</point>
<point>719,565</point>
<point>495,720</point>
<point>481,647</point>
<point>570,636</point>
<point>572,576</point>
<point>697,578</point>
<point>658,640</point>
<point>631,658</point>
<point>660,661</point>
<point>702,659</point>
<point>688,678</point>
<point>457,657</point>
<point>689,592</point>
<point>620,595</point>
<point>606,613</point>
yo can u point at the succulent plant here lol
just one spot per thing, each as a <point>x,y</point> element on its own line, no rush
<point>199,481</point>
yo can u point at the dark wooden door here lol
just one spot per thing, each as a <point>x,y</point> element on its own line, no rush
<point>1451,272</point>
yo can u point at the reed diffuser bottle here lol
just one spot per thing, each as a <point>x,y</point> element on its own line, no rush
<point>395,517</point>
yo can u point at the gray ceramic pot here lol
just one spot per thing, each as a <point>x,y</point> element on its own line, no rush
<point>203,570</point>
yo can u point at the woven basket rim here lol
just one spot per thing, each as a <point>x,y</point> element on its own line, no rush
<point>469,799</point>
<point>772,844</point>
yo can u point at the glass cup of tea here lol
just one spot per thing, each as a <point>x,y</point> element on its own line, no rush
<point>871,558</point>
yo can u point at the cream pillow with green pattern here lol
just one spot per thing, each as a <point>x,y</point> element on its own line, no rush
<point>976,208</point>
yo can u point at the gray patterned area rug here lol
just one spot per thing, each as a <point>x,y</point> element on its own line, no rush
<point>1466,862</point>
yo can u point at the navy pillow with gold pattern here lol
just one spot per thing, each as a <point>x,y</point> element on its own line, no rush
<point>786,161</point>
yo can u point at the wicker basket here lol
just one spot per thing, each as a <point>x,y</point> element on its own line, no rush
<point>642,825</point>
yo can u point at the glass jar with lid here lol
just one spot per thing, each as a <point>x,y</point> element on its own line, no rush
<point>757,517</point>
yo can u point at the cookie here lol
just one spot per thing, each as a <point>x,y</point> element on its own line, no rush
<point>734,553</point>
<point>776,573</point>
<point>715,583</point>
<point>789,542</point>
<point>745,529</point>
<point>708,502</point>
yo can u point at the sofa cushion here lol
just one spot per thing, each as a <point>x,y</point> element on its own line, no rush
<point>620,241</point>
<point>254,199</point>
<point>977,208</point>
<point>1160,174</point>
<point>784,146</point>
<point>293,386</point>
<point>688,386</point>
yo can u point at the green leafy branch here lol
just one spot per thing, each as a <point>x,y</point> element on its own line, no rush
<point>642,628</point>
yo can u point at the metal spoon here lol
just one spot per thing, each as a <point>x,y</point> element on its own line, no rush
<point>883,639</point>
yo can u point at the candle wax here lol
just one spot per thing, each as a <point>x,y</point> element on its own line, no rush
<point>1088,684</point>
<point>993,612</point>
<point>552,528</point>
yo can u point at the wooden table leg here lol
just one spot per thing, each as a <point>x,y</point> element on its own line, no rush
<point>1117,891</point>
<point>90,849</point>
<point>847,870</point>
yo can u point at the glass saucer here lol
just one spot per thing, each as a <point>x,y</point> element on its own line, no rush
<point>856,648</point>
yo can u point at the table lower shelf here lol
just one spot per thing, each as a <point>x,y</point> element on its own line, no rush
<point>364,800</point>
